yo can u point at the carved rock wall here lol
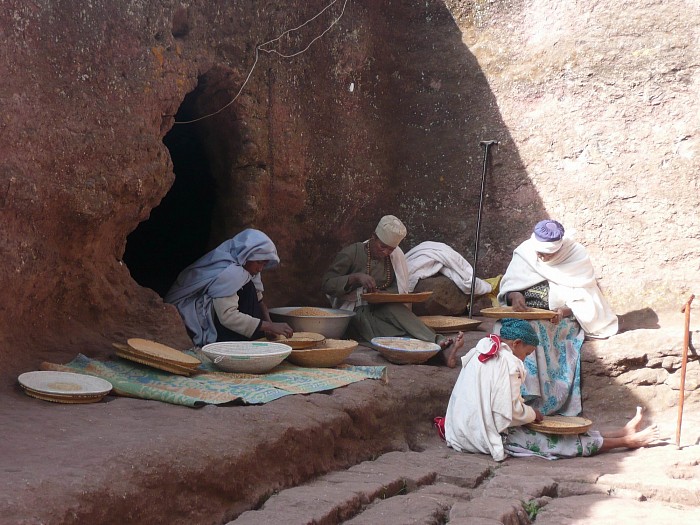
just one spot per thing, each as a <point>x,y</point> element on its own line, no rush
<point>595,111</point>
<point>600,101</point>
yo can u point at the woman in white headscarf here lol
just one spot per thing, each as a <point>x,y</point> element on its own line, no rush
<point>552,271</point>
<point>219,296</point>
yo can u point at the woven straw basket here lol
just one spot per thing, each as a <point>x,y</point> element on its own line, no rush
<point>446,323</point>
<point>152,349</point>
<point>331,353</point>
<point>562,425</point>
<point>501,312</point>
<point>384,297</point>
<point>301,340</point>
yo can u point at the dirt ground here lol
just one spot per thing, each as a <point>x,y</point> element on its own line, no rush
<point>134,461</point>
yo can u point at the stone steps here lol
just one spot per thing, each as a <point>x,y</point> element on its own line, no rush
<point>438,485</point>
<point>365,492</point>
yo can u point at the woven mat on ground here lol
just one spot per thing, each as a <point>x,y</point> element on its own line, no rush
<point>209,386</point>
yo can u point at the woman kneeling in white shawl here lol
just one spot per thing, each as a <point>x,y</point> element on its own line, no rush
<point>552,271</point>
<point>219,296</point>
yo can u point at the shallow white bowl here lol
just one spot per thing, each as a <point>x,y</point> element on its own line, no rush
<point>247,357</point>
<point>405,350</point>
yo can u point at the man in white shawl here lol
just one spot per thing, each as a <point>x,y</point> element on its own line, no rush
<point>219,296</point>
<point>486,413</point>
<point>378,264</point>
<point>552,271</point>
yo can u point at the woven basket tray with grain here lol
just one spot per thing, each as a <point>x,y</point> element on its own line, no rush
<point>501,312</point>
<point>561,425</point>
<point>300,340</point>
<point>446,323</point>
<point>385,297</point>
<point>331,352</point>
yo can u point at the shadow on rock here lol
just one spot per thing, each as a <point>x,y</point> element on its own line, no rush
<point>638,319</point>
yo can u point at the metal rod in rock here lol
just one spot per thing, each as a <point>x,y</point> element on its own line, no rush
<point>487,145</point>
<point>684,364</point>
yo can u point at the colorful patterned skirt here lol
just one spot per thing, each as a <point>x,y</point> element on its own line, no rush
<point>521,442</point>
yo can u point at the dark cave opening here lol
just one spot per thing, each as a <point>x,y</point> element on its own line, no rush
<point>177,231</point>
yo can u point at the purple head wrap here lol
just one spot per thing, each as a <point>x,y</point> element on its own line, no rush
<point>548,231</point>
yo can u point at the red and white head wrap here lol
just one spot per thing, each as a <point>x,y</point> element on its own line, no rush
<point>492,351</point>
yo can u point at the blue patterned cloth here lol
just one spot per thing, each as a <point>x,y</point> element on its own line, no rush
<point>553,382</point>
<point>212,386</point>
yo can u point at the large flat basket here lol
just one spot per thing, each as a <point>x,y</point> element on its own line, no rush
<point>447,323</point>
<point>501,312</point>
<point>562,425</point>
<point>385,297</point>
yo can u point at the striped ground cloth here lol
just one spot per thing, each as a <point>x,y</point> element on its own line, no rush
<point>210,386</point>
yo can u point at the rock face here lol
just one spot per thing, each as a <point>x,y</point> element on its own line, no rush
<point>106,190</point>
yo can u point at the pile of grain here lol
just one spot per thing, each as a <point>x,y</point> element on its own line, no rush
<point>310,311</point>
<point>339,343</point>
<point>400,343</point>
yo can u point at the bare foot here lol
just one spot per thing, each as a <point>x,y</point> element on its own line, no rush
<point>633,424</point>
<point>638,439</point>
<point>449,351</point>
<point>643,437</point>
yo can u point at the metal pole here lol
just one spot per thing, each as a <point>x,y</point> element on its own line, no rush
<point>486,144</point>
<point>684,363</point>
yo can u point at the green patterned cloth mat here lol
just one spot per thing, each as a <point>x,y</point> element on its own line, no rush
<point>211,386</point>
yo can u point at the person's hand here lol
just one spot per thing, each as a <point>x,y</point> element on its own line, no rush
<point>562,312</point>
<point>364,281</point>
<point>517,301</point>
<point>277,329</point>
<point>538,416</point>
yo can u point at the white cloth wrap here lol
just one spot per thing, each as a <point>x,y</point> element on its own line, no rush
<point>572,283</point>
<point>546,246</point>
<point>485,401</point>
<point>430,258</point>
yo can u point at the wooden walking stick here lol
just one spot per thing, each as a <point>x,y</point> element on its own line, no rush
<point>684,362</point>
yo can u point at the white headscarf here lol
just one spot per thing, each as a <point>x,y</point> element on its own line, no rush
<point>219,273</point>
<point>546,246</point>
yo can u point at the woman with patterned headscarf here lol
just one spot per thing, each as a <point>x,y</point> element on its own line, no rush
<point>487,414</point>
<point>219,296</point>
<point>552,271</point>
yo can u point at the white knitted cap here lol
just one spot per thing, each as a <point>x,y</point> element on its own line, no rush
<point>390,231</point>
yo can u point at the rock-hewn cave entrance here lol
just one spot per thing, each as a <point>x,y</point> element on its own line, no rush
<point>177,231</point>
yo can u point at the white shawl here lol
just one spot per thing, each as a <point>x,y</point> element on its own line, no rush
<point>571,280</point>
<point>430,258</point>
<point>485,401</point>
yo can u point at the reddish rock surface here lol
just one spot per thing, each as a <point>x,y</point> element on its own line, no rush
<point>365,453</point>
<point>594,110</point>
